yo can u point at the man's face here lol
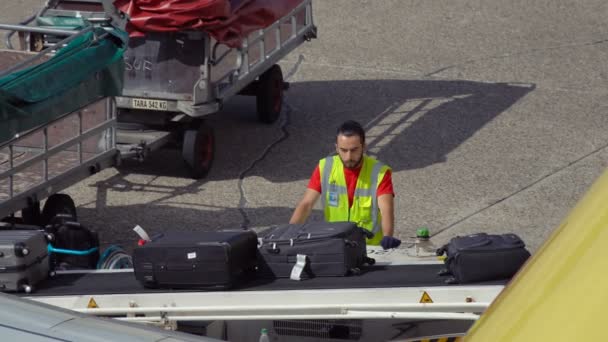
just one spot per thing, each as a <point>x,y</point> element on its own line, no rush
<point>350,149</point>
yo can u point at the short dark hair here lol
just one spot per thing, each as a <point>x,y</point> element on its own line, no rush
<point>350,128</point>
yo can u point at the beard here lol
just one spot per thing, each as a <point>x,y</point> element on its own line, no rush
<point>352,164</point>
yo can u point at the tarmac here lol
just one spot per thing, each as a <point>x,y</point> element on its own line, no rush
<point>491,114</point>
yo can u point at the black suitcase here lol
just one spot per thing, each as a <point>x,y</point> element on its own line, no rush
<point>214,259</point>
<point>24,260</point>
<point>483,257</point>
<point>327,249</point>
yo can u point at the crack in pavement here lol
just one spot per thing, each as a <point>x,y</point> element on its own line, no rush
<point>285,134</point>
<point>452,225</point>
<point>286,120</point>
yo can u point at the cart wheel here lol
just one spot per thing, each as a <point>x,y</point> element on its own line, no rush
<point>58,204</point>
<point>198,150</point>
<point>270,95</point>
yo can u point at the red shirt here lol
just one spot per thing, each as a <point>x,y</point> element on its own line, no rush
<point>351,176</point>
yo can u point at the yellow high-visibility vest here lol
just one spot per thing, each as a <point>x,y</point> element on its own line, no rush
<point>334,194</point>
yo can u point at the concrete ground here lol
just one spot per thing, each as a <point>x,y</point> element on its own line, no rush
<point>492,115</point>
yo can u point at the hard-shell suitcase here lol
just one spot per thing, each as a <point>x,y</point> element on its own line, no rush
<point>215,259</point>
<point>24,260</point>
<point>483,257</point>
<point>325,249</point>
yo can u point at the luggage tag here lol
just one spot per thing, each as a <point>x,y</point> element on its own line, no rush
<point>298,268</point>
<point>333,195</point>
<point>143,235</point>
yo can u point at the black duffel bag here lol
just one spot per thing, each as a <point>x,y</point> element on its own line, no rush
<point>483,257</point>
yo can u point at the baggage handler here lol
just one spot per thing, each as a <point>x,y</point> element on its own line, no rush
<point>352,187</point>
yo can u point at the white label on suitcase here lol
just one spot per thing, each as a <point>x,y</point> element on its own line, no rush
<point>142,233</point>
<point>192,255</point>
<point>298,268</point>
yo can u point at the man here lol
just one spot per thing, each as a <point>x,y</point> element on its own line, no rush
<point>352,187</point>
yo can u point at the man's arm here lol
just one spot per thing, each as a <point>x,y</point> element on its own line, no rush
<point>386,205</point>
<point>302,211</point>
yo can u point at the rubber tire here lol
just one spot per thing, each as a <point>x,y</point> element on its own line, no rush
<point>269,97</point>
<point>198,150</point>
<point>58,204</point>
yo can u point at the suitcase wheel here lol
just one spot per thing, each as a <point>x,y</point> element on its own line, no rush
<point>27,288</point>
<point>370,261</point>
<point>21,250</point>
<point>355,271</point>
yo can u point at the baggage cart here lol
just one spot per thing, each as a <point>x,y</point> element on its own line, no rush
<point>174,79</point>
<point>51,144</point>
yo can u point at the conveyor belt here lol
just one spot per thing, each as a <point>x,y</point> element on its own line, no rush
<point>125,282</point>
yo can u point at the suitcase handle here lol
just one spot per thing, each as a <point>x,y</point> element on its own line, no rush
<point>475,240</point>
<point>308,236</point>
<point>368,234</point>
<point>52,249</point>
<point>274,249</point>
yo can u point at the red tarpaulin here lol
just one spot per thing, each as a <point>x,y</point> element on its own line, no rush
<point>228,21</point>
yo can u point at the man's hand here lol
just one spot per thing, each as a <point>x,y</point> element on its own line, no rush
<point>302,211</point>
<point>389,242</point>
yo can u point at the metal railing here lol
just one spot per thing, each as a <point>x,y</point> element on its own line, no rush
<point>246,70</point>
<point>42,183</point>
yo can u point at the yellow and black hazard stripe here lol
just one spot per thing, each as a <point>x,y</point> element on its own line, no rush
<point>443,339</point>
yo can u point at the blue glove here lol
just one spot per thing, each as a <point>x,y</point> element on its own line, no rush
<point>390,242</point>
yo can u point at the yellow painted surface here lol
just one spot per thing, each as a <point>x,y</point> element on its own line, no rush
<point>561,294</point>
<point>443,339</point>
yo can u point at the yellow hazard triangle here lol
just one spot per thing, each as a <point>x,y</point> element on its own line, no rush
<point>92,304</point>
<point>424,299</point>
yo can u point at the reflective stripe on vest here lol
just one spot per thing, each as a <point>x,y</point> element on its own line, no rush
<point>374,188</point>
<point>329,163</point>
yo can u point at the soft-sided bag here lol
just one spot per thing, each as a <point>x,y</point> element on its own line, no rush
<point>324,249</point>
<point>74,245</point>
<point>483,257</point>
